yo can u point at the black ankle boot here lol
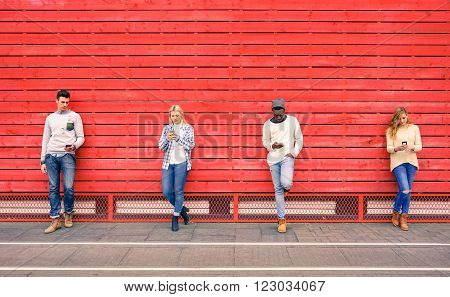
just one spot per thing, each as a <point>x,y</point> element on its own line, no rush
<point>175,223</point>
<point>184,214</point>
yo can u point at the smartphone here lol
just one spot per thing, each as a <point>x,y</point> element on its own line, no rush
<point>404,142</point>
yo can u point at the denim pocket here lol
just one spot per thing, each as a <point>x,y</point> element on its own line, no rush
<point>70,126</point>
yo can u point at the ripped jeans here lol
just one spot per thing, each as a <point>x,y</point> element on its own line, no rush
<point>404,174</point>
<point>282,178</point>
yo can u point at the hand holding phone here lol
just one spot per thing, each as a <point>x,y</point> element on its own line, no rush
<point>277,145</point>
<point>171,135</point>
<point>402,147</point>
<point>407,147</point>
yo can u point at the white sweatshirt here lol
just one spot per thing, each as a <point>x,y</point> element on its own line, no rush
<point>288,133</point>
<point>61,129</point>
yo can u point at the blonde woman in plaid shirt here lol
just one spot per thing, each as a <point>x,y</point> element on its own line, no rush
<point>177,141</point>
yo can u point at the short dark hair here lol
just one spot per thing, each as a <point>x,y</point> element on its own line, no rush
<point>62,93</point>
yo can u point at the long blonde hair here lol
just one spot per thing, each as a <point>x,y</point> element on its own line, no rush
<point>177,108</point>
<point>395,122</point>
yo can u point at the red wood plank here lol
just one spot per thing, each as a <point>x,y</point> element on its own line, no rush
<point>223,175</point>
<point>406,16</point>
<point>220,141</point>
<point>224,61</point>
<point>254,49</point>
<point>401,96</point>
<point>220,84</point>
<point>211,129</point>
<point>220,27</point>
<point>226,187</point>
<point>231,4</point>
<point>217,73</point>
<point>255,107</point>
<point>225,38</point>
<point>220,153</point>
<point>112,118</point>
<point>365,119</point>
<point>244,164</point>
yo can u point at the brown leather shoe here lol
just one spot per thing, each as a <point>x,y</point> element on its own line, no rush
<point>396,218</point>
<point>55,225</point>
<point>282,225</point>
<point>404,222</point>
<point>68,220</point>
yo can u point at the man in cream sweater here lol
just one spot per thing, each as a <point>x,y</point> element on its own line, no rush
<point>63,134</point>
<point>283,139</point>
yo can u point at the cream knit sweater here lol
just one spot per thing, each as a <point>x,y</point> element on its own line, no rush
<point>410,134</point>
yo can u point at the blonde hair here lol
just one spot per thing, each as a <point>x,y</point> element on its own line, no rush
<point>177,108</point>
<point>395,122</point>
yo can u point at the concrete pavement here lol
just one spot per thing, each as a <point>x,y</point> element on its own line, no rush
<point>228,249</point>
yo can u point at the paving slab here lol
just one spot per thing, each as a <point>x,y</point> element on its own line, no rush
<point>87,256</point>
<point>52,256</point>
<point>262,256</point>
<point>248,235</point>
<point>373,256</point>
<point>439,256</point>
<point>207,257</point>
<point>154,257</point>
<point>317,256</point>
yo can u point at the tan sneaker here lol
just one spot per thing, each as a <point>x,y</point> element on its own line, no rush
<point>55,225</point>
<point>396,218</point>
<point>282,225</point>
<point>404,222</point>
<point>68,220</point>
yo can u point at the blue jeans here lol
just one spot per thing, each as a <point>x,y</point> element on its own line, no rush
<point>404,174</point>
<point>55,165</point>
<point>282,178</point>
<point>173,181</point>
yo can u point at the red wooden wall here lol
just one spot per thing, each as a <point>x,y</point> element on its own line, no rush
<point>342,66</point>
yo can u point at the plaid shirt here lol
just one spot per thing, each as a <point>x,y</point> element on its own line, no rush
<point>185,139</point>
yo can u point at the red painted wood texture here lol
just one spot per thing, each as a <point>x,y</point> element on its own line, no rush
<point>342,66</point>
